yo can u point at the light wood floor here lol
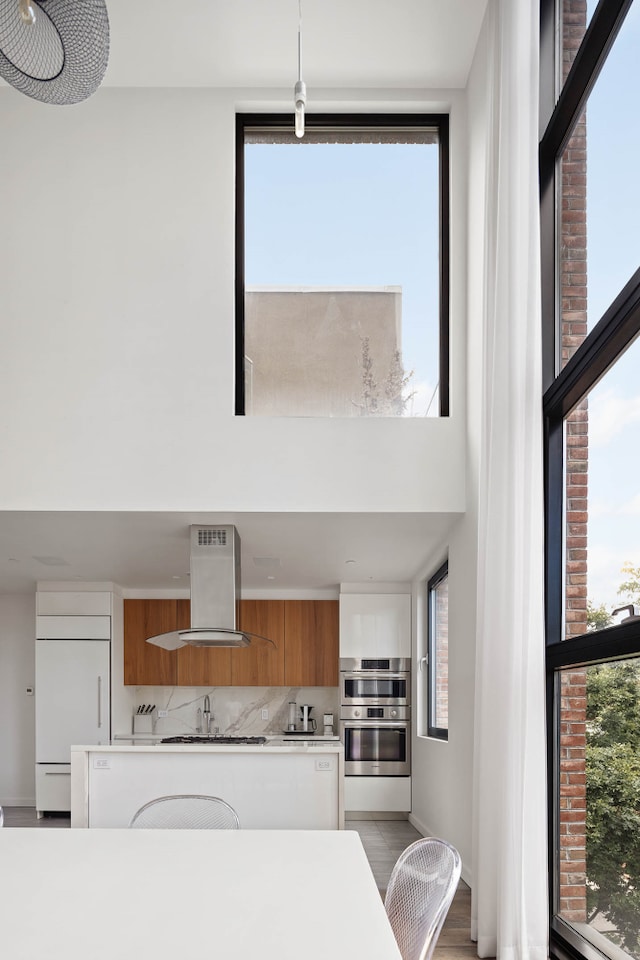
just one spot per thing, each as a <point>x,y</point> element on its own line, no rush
<point>26,817</point>
<point>383,841</point>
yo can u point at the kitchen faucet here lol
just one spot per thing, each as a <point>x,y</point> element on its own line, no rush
<point>206,714</point>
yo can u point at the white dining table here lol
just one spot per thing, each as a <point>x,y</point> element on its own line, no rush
<point>165,894</point>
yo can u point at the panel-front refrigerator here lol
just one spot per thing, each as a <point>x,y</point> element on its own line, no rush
<point>72,706</point>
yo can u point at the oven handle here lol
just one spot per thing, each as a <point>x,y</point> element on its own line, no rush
<point>375,675</point>
<point>385,724</point>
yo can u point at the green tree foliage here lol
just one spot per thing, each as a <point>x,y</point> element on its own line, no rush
<point>630,589</point>
<point>613,783</point>
<point>597,617</point>
<point>613,799</point>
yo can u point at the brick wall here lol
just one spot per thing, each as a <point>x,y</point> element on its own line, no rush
<point>572,903</point>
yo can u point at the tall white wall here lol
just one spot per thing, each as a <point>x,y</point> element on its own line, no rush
<point>116,371</point>
<point>443,770</point>
<point>17,712</point>
<point>117,360</point>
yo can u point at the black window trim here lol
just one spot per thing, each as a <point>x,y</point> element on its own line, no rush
<point>401,120</point>
<point>603,345</point>
<point>440,733</point>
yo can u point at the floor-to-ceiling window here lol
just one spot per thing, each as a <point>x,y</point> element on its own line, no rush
<point>590,203</point>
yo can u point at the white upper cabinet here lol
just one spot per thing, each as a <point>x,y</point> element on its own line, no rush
<point>375,625</point>
<point>73,603</point>
<point>73,628</point>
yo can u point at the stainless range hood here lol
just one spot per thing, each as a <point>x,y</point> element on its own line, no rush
<point>215,592</point>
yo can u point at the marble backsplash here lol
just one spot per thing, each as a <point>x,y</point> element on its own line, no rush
<point>235,711</point>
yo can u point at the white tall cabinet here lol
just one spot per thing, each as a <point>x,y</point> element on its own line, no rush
<point>376,626</point>
<point>72,690</point>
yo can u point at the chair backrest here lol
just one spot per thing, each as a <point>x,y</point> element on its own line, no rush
<point>421,888</point>
<point>186,812</point>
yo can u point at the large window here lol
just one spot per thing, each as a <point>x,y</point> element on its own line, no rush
<point>342,267</point>
<point>438,654</point>
<point>591,315</point>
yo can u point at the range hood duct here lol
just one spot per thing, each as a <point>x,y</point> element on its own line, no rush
<point>215,593</point>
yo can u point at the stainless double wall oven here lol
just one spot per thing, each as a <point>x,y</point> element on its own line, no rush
<point>375,727</point>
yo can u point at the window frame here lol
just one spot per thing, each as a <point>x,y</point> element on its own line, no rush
<point>563,390</point>
<point>342,121</point>
<point>439,733</point>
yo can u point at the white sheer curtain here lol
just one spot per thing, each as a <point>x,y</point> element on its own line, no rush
<point>509,902</point>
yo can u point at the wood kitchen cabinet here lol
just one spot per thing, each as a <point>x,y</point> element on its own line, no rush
<point>304,634</point>
<point>200,666</point>
<point>311,643</point>
<point>144,663</point>
<point>204,667</point>
<point>261,664</point>
<point>148,665</point>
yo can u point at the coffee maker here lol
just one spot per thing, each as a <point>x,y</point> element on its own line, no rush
<point>308,723</point>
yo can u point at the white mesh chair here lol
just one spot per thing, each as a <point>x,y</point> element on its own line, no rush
<point>186,812</point>
<point>421,888</point>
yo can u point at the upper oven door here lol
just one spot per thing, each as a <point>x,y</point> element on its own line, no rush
<point>373,688</point>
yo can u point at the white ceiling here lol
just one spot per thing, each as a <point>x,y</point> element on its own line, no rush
<point>253,43</point>
<point>150,550</point>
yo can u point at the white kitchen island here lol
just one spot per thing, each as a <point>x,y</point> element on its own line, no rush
<point>292,786</point>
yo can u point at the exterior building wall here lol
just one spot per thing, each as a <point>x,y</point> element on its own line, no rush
<point>573,701</point>
<point>323,352</point>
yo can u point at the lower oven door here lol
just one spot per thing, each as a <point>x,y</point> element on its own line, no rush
<point>376,748</point>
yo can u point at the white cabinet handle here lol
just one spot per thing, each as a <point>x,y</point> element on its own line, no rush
<point>57,773</point>
<point>99,701</point>
<point>422,662</point>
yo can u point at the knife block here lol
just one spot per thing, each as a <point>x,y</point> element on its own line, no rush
<point>144,722</point>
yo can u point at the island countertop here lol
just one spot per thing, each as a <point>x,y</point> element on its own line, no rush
<point>275,746</point>
<point>272,785</point>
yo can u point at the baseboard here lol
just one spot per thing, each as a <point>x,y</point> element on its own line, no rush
<point>375,815</point>
<point>424,830</point>
<point>17,801</point>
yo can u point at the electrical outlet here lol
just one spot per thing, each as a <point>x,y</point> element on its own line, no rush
<point>324,765</point>
<point>162,713</point>
<point>265,713</point>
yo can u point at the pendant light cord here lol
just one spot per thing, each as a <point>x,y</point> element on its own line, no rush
<point>300,90</point>
<point>299,39</point>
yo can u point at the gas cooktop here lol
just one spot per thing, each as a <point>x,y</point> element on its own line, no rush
<point>214,740</point>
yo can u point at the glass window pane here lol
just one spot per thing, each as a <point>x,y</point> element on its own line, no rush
<point>598,770</point>
<point>600,193</point>
<point>602,543</point>
<point>342,309</point>
<point>441,653</point>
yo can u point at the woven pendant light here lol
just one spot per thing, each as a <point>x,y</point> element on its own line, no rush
<point>55,51</point>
